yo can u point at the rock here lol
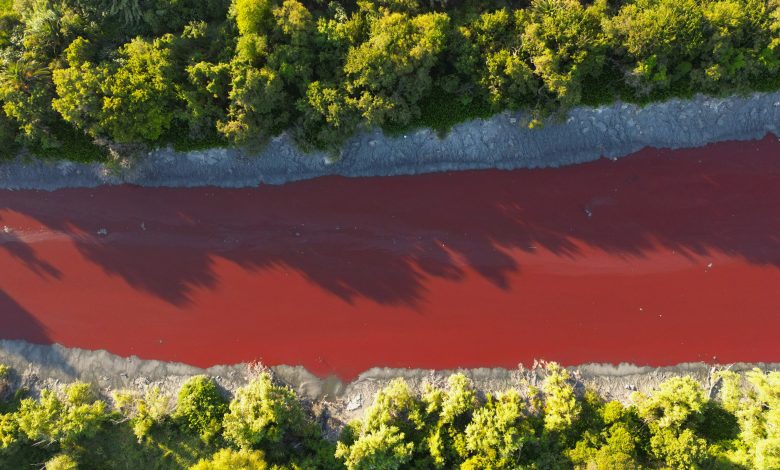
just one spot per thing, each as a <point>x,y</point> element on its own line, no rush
<point>354,403</point>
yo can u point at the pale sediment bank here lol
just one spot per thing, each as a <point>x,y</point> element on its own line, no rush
<point>502,141</point>
<point>45,366</point>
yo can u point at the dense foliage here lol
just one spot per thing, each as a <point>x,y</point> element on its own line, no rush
<point>555,425</point>
<point>204,72</point>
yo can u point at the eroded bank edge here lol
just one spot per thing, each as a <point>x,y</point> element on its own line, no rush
<point>45,366</point>
<point>503,142</point>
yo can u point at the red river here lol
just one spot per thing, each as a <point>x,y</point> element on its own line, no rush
<point>658,258</point>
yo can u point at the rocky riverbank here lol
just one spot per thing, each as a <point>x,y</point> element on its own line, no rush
<point>39,366</point>
<point>503,141</point>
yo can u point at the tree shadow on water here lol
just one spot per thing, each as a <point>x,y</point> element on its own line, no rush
<point>385,239</point>
<point>18,323</point>
<point>15,321</point>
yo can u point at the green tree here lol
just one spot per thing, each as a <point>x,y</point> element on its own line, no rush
<point>739,47</point>
<point>448,413</point>
<point>389,73</point>
<point>266,416</point>
<point>7,136</point>
<point>26,88</point>
<point>144,412</point>
<point>662,40</point>
<point>54,420</point>
<point>79,89</point>
<point>490,54</point>
<point>201,407</point>
<point>253,16</point>
<point>293,40</point>
<point>327,118</point>
<point>614,443</point>
<point>229,459</point>
<point>61,462</point>
<point>206,97</point>
<point>386,435</point>
<point>9,431</point>
<point>565,42</point>
<point>258,105</point>
<point>9,22</point>
<point>26,94</point>
<point>672,413</point>
<point>561,408</point>
<point>496,435</point>
<point>757,409</point>
<point>140,96</point>
<point>133,99</point>
<point>384,448</point>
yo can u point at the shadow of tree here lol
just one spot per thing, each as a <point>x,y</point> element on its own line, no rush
<point>384,239</point>
<point>18,323</point>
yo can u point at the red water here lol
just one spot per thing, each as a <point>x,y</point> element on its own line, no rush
<point>658,258</point>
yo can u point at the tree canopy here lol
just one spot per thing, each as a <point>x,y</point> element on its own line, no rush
<point>242,72</point>
<point>264,425</point>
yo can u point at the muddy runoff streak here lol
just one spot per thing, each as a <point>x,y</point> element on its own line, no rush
<point>655,259</point>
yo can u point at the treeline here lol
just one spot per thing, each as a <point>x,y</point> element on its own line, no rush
<point>555,426</point>
<point>205,72</point>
